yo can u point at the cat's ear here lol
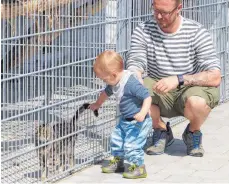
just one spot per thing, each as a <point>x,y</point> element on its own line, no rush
<point>86,105</point>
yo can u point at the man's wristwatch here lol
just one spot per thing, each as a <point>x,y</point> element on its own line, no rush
<point>180,80</point>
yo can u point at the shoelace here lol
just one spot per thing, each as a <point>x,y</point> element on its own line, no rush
<point>196,141</point>
<point>113,161</point>
<point>132,167</point>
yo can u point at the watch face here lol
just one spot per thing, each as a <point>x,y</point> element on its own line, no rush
<point>180,79</point>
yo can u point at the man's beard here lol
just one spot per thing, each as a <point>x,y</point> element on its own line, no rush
<point>166,25</point>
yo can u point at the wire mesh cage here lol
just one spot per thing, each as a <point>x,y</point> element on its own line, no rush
<point>48,48</point>
<point>47,53</point>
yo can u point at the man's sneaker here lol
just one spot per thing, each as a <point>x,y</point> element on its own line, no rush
<point>193,142</point>
<point>161,140</point>
<point>135,172</point>
<point>116,165</point>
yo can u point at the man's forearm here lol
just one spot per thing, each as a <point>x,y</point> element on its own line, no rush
<point>138,73</point>
<point>205,78</point>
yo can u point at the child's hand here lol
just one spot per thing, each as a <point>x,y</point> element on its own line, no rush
<point>94,106</point>
<point>140,117</point>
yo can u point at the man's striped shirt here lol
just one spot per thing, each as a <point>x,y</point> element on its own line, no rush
<point>188,51</point>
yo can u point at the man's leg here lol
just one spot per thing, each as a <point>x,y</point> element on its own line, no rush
<point>162,105</point>
<point>155,114</point>
<point>196,110</point>
<point>196,104</point>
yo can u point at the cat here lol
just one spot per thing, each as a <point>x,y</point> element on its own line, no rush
<point>57,156</point>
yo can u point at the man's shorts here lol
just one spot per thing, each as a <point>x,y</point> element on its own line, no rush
<point>173,103</point>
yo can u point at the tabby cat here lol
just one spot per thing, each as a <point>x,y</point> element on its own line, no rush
<point>57,156</point>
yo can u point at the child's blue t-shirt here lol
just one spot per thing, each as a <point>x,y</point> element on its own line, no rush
<point>130,94</point>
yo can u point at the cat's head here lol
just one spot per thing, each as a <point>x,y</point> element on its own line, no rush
<point>43,132</point>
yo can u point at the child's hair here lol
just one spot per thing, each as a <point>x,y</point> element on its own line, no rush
<point>108,61</point>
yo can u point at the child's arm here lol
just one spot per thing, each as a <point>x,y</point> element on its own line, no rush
<point>102,98</point>
<point>144,110</point>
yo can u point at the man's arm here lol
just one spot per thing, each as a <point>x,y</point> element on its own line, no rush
<point>139,75</point>
<point>208,65</point>
<point>137,56</point>
<point>205,78</point>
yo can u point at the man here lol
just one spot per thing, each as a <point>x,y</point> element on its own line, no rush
<point>183,73</point>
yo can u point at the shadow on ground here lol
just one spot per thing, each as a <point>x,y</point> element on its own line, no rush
<point>178,148</point>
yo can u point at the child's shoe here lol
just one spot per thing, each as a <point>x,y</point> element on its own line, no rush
<point>116,165</point>
<point>135,172</point>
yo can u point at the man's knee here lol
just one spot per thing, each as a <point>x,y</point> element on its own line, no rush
<point>196,103</point>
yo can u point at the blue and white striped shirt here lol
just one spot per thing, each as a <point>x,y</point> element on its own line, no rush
<point>188,51</point>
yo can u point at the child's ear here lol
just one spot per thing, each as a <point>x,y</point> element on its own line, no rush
<point>114,75</point>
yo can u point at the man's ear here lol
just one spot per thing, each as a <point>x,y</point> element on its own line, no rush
<point>179,8</point>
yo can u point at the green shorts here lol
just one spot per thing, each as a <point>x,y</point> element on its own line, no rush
<point>172,104</point>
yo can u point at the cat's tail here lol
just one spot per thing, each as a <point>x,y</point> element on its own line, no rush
<point>86,106</point>
<point>82,108</point>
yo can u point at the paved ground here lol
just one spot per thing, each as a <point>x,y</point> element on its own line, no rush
<point>175,166</point>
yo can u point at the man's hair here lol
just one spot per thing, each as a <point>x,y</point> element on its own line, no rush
<point>178,2</point>
<point>108,61</point>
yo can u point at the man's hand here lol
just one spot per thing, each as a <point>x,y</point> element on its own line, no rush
<point>140,117</point>
<point>166,84</point>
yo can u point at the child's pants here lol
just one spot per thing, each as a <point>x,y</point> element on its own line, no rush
<point>128,139</point>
